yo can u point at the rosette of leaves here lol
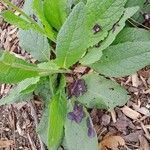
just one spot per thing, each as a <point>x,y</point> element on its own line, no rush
<point>59,34</point>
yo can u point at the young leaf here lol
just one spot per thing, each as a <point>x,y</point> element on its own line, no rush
<point>101,16</point>
<point>14,70</point>
<point>123,59</point>
<point>71,41</point>
<point>35,44</point>
<point>57,117</point>
<point>105,94</point>
<point>80,136</point>
<point>97,53</point>
<point>21,91</point>
<point>55,12</point>
<point>132,35</point>
<point>16,20</point>
<point>38,9</point>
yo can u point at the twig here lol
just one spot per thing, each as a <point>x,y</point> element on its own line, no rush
<point>34,115</point>
<point>31,142</point>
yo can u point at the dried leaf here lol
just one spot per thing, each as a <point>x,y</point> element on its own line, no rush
<point>112,142</point>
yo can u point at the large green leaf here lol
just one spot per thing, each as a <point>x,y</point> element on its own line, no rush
<point>144,7</point>
<point>35,44</point>
<point>42,129</point>
<point>71,41</point>
<point>132,35</point>
<point>104,94</point>
<point>57,111</point>
<point>104,13</point>
<point>123,59</point>
<point>16,20</point>
<point>94,54</point>
<point>14,70</point>
<point>55,12</point>
<point>21,91</point>
<point>76,135</point>
<point>38,9</point>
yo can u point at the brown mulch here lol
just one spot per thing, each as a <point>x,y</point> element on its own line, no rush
<point>128,127</point>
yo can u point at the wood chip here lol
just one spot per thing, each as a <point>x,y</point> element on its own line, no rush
<point>113,115</point>
<point>144,144</point>
<point>130,113</point>
<point>135,80</point>
<point>5,143</point>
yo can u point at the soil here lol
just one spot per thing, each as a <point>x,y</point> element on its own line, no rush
<point>130,123</point>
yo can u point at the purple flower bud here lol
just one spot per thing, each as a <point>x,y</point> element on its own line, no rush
<point>91,131</point>
<point>97,28</point>
<point>77,115</point>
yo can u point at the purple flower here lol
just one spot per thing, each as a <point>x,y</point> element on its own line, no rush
<point>77,88</point>
<point>77,114</point>
<point>97,28</point>
<point>91,131</point>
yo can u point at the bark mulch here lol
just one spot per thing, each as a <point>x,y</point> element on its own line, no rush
<point>125,128</point>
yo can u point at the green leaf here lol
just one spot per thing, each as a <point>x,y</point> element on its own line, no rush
<point>16,20</point>
<point>21,92</point>
<point>43,91</point>
<point>76,135</point>
<point>105,94</point>
<point>38,9</point>
<point>105,13</point>
<point>35,44</point>
<point>51,65</point>
<point>123,59</point>
<point>14,70</point>
<point>129,12</point>
<point>42,128</point>
<point>70,47</point>
<point>94,54</point>
<point>55,12</point>
<point>132,35</point>
<point>144,7</point>
<point>56,120</point>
